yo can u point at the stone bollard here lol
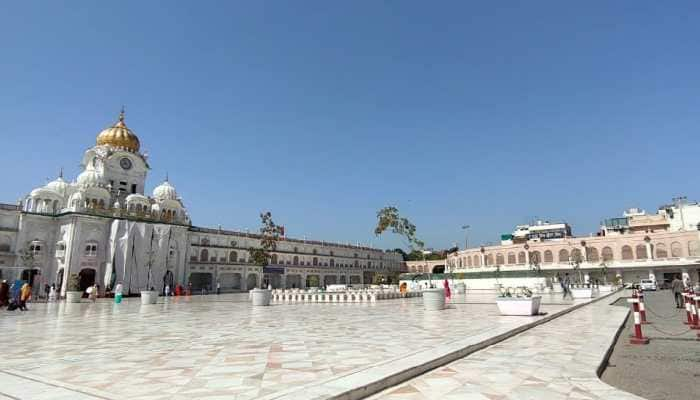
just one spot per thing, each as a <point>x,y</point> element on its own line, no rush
<point>638,337</point>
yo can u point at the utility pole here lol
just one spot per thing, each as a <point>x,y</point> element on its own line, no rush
<point>466,236</point>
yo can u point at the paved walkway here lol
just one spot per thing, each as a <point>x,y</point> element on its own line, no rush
<point>216,347</point>
<point>553,361</point>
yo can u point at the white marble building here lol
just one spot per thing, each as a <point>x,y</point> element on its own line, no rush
<point>103,227</point>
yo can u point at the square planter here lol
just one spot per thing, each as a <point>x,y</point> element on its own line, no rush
<point>582,293</point>
<point>149,297</point>
<point>519,305</point>
<point>261,297</point>
<point>434,299</point>
<point>73,297</point>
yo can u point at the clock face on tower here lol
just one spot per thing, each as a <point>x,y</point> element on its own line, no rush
<point>125,163</point>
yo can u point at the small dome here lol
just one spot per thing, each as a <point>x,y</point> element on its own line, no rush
<point>89,178</point>
<point>165,191</point>
<point>137,198</point>
<point>44,192</point>
<point>59,185</point>
<point>119,136</point>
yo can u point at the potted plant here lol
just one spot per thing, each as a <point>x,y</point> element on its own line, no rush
<point>269,235</point>
<point>389,218</point>
<point>605,287</point>
<point>578,289</point>
<point>73,292</point>
<point>518,301</point>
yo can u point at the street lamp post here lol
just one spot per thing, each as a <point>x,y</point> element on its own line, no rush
<point>466,236</point>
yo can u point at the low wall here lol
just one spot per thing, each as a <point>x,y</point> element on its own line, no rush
<point>481,283</point>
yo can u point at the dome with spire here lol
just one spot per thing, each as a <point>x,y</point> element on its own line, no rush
<point>89,178</point>
<point>119,136</point>
<point>165,191</point>
<point>59,184</point>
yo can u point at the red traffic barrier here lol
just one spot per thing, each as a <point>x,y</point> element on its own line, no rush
<point>638,337</point>
<point>688,309</point>
<point>642,308</point>
<point>695,310</point>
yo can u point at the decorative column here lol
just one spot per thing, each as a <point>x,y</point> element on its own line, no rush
<point>584,253</point>
<point>483,256</point>
<point>527,254</point>
<point>647,242</point>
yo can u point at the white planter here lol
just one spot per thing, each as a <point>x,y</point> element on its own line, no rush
<point>261,297</point>
<point>519,306</point>
<point>582,293</point>
<point>73,297</point>
<point>460,288</point>
<point>606,288</point>
<point>434,299</point>
<point>149,297</point>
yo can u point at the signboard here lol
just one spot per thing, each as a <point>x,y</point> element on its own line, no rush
<point>273,270</point>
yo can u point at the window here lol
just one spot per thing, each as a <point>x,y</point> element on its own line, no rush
<point>627,253</point>
<point>274,259</point>
<point>233,257</point>
<point>548,257</point>
<point>693,248</point>
<point>35,249</point>
<point>205,242</point>
<point>521,257</point>
<point>91,250</point>
<point>641,251</point>
<point>676,250</point>
<point>661,250</point>
<point>315,262</point>
<point>607,254</point>
<point>499,259</point>
<point>563,256</point>
<point>511,258</point>
<point>332,262</point>
<point>591,254</point>
<point>5,247</point>
<point>204,255</point>
<point>295,261</point>
<point>133,188</point>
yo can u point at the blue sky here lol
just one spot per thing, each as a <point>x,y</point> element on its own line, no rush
<point>323,112</point>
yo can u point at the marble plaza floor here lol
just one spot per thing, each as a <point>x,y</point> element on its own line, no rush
<point>220,347</point>
<point>554,361</point>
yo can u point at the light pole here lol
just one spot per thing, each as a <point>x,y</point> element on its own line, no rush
<point>466,236</point>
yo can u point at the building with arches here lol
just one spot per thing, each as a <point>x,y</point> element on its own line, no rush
<point>105,228</point>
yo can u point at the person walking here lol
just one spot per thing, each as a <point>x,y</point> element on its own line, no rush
<point>448,292</point>
<point>218,287</point>
<point>118,293</point>
<point>166,290</point>
<point>676,290</point>
<point>566,286</point>
<point>52,293</point>
<point>24,295</point>
<point>4,293</point>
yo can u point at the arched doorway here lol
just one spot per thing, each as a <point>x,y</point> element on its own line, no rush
<point>31,276</point>
<point>230,281</point>
<point>201,280</point>
<point>59,280</point>
<point>329,280</point>
<point>312,281</point>
<point>439,269</point>
<point>293,281</point>
<point>169,280</point>
<point>251,281</point>
<point>87,278</point>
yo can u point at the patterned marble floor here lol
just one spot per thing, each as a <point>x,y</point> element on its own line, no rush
<point>556,360</point>
<point>215,347</point>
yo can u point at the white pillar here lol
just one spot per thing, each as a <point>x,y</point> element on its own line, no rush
<point>584,256</point>
<point>650,255</point>
<point>652,275</point>
<point>527,257</point>
<point>685,276</point>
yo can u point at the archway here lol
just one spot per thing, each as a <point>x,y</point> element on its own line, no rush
<point>169,280</point>
<point>329,280</point>
<point>439,269</point>
<point>230,281</point>
<point>251,281</point>
<point>201,280</point>
<point>293,281</point>
<point>312,281</point>
<point>87,278</point>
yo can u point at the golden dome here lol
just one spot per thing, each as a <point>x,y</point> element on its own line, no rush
<point>119,136</point>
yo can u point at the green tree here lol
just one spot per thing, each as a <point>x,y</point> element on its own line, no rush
<point>388,218</point>
<point>269,235</point>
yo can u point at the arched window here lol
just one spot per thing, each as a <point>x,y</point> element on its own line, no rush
<point>469,261</point>
<point>576,255</point>
<point>205,242</point>
<point>204,255</point>
<point>295,260</point>
<point>35,249</point>
<point>332,262</point>
<point>315,261</point>
<point>460,263</point>
<point>661,250</point>
<point>676,249</point>
<point>563,256</point>
<point>592,254</point>
<point>535,258</point>
<point>4,247</point>
<point>627,253</point>
<point>607,254</point>
<point>91,249</point>
<point>641,251</point>
<point>274,259</point>
<point>314,251</point>
<point>489,259</point>
<point>233,257</point>
<point>521,257</point>
<point>499,259</point>
<point>693,248</point>
<point>548,257</point>
<point>511,258</point>
<point>477,261</point>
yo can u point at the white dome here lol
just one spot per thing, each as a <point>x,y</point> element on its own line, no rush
<point>59,185</point>
<point>137,198</point>
<point>89,178</point>
<point>44,192</point>
<point>165,191</point>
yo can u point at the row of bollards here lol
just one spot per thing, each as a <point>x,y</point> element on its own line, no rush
<point>692,309</point>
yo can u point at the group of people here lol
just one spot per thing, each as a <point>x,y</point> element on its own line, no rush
<point>15,296</point>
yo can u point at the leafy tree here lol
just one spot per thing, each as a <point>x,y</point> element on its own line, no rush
<point>388,218</point>
<point>400,251</point>
<point>269,235</point>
